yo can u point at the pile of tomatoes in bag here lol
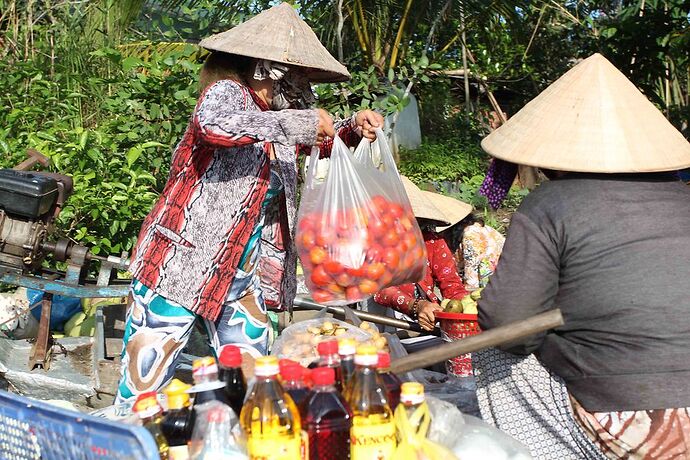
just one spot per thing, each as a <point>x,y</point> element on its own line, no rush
<point>350,254</point>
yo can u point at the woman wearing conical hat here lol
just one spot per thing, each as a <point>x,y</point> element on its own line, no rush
<point>217,245</point>
<point>608,242</point>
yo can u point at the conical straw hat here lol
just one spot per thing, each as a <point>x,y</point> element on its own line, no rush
<point>421,206</point>
<point>279,34</point>
<point>592,119</point>
<point>454,210</point>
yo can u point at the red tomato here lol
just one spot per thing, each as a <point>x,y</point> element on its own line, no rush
<point>353,294</point>
<point>319,276</point>
<point>410,240</point>
<point>320,296</point>
<point>375,270</point>
<point>375,253</point>
<point>376,227</point>
<point>325,237</point>
<point>406,223</point>
<point>386,279</point>
<point>368,287</point>
<point>358,272</point>
<point>391,238</point>
<point>388,220</point>
<point>396,210</point>
<point>380,202</point>
<point>335,289</point>
<point>391,258</point>
<point>333,267</point>
<point>305,224</point>
<point>317,255</point>
<point>308,239</point>
<point>344,279</point>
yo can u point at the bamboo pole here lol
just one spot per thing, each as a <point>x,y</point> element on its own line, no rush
<point>492,338</point>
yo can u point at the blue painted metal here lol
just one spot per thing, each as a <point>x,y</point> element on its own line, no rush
<point>63,288</point>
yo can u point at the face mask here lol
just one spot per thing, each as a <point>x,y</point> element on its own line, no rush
<point>291,88</point>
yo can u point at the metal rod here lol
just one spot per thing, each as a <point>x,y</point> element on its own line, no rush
<point>306,304</point>
<point>487,339</point>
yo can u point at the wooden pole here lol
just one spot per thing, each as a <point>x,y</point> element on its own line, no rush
<point>487,339</point>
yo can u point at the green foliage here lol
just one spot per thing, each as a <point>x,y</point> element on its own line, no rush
<point>117,151</point>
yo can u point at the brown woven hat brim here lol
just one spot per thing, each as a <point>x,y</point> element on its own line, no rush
<point>453,209</point>
<point>592,119</point>
<point>280,35</point>
<point>421,206</point>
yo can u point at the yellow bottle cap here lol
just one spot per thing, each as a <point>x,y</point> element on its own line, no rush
<point>266,366</point>
<point>347,346</point>
<point>147,405</point>
<point>367,355</point>
<point>412,393</point>
<point>177,394</point>
<point>204,366</point>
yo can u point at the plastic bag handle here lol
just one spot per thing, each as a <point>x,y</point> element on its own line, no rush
<point>313,161</point>
<point>386,155</point>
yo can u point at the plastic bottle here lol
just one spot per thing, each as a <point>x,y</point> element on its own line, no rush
<point>231,373</point>
<point>411,398</point>
<point>346,350</point>
<point>269,417</point>
<point>327,418</point>
<point>293,383</point>
<point>178,422</point>
<point>329,357</point>
<point>150,414</point>
<point>207,387</point>
<point>373,431</point>
<point>213,439</point>
<point>390,381</point>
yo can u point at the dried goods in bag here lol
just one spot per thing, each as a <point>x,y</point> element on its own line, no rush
<point>356,233</point>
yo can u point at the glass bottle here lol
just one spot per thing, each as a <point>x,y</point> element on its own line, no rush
<point>390,381</point>
<point>327,418</point>
<point>346,350</point>
<point>269,417</point>
<point>150,414</point>
<point>178,422</point>
<point>231,373</point>
<point>372,435</point>
<point>329,357</point>
<point>207,387</point>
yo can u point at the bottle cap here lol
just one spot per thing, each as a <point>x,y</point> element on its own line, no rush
<point>384,360</point>
<point>323,376</point>
<point>367,355</point>
<point>147,405</point>
<point>306,376</point>
<point>412,393</point>
<point>203,367</point>
<point>327,347</point>
<point>291,372</point>
<point>347,347</point>
<point>266,366</point>
<point>286,363</point>
<point>230,356</point>
<point>176,391</point>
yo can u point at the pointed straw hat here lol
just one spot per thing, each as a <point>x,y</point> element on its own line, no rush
<point>592,119</point>
<point>454,210</point>
<point>421,206</point>
<point>280,35</point>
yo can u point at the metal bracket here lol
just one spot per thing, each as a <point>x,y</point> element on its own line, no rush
<point>40,353</point>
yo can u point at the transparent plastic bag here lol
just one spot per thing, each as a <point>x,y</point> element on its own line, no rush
<point>412,430</point>
<point>214,436</point>
<point>298,341</point>
<point>356,233</point>
<point>470,437</point>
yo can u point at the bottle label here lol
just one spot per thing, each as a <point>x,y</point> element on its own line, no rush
<point>178,453</point>
<point>372,442</point>
<point>274,447</point>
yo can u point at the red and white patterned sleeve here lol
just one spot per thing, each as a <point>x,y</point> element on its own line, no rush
<point>347,130</point>
<point>222,119</point>
<point>396,297</point>
<point>444,270</point>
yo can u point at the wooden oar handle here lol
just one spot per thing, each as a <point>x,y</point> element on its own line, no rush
<point>487,339</point>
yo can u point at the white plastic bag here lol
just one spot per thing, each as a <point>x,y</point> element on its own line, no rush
<point>356,233</point>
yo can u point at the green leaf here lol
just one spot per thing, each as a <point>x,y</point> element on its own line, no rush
<point>133,155</point>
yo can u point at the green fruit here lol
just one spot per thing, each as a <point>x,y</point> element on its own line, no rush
<point>476,294</point>
<point>455,306</point>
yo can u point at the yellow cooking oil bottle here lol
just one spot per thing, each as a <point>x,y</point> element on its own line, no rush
<point>269,417</point>
<point>372,436</point>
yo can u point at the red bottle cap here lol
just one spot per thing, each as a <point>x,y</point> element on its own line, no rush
<point>327,347</point>
<point>292,372</point>
<point>323,376</point>
<point>384,360</point>
<point>230,356</point>
<point>306,376</point>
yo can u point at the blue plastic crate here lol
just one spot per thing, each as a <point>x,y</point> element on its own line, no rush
<point>34,430</point>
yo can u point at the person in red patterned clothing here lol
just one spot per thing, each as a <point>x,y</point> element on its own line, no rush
<point>419,300</point>
<point>217,245</point>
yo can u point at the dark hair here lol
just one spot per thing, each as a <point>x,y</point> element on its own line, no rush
<point>224,66</point>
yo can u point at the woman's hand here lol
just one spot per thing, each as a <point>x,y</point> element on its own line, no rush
<point>369,120</point>
<point>325,127</point>
<point>425,314</point>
